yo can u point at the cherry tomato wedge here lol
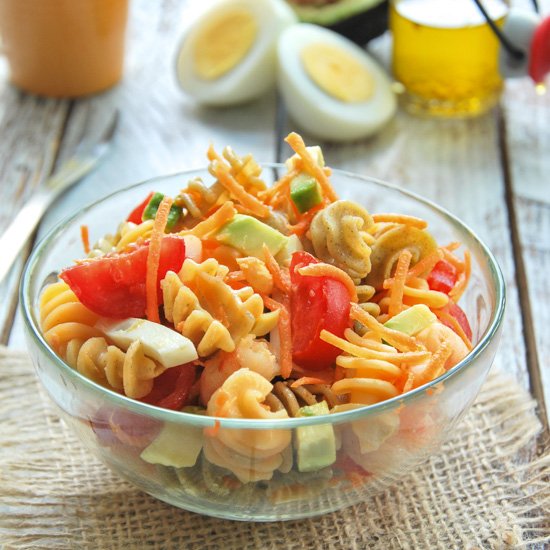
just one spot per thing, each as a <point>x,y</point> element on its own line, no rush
<point>316,303</point>
<point>137,213</point>
<point>114,285</point>
<point>172,389</point>
<point>442,277</point>
<point>460,316</point>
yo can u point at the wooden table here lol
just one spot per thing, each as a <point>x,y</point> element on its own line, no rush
<point>491,171</point>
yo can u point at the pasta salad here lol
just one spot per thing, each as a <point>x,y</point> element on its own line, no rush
<point>237,300</point>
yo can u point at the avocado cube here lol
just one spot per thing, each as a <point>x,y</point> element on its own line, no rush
<point>305,192</point>
<point>411,321</point>
<point>248,235</point>
<point>315,445</point>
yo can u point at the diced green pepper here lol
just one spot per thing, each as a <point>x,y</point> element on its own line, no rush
<point>305,192</point>
<point>152,208</point>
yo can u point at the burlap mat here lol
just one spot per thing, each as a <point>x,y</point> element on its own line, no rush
<point>484,490</point>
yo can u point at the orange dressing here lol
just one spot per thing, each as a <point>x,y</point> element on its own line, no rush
<point>64,48</point>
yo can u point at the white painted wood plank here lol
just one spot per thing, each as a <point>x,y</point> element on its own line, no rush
<point>30,128</point>
<point>528,132</point>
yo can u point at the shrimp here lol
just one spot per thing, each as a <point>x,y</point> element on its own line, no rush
<point>433,337</point>
<point>251,353</point>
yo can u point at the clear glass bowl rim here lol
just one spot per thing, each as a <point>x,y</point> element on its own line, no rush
<point>166,415</point>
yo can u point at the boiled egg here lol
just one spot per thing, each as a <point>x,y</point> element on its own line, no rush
<point>228,56</point>
<point>331,87</point>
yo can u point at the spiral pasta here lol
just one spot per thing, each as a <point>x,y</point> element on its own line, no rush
<point>128,233</point>
<point>389,241</point>
<point>252,455</point>
<point>130,371</point>
<point>208,311</point>
<point>63,318</point>
<point>340,237</point>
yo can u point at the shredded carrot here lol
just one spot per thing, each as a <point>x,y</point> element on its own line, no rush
<point>212,431</point>
<point>452,259</point>
<point>273,191</point>
<point>281,278</point>
<point>285,335</point>
<point>307,380</point>
<point>412,221</point>
<point>463,278</point>
<point>444,316</point>
<point>285,332</point>
<point>298,145</point>
<point>213,222</point>
<point>224,176</point>
<point>304,221</point>
<point>326,270</point>
<point>395,338</point>
<point>85,237</point>
<point>153,260</point>
<point>396,291</point>
<point>435,366</point>
<point>425,265</point>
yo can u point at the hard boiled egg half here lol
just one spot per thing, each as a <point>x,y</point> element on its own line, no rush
<point>332,88</point>
<point>229,55</point>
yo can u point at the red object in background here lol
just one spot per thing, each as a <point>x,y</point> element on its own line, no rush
<point>316,303</point>
<point>539,59</point>
<point>137,213</point>
<point>114,285</point>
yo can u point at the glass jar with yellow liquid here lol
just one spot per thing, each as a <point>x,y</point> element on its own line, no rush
<point>446,56</point>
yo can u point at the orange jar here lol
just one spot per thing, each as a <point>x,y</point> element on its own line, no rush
<point>64,48</point>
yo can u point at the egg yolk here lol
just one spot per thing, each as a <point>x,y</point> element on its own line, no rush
<point>223,43</point>
<point>337,73</point>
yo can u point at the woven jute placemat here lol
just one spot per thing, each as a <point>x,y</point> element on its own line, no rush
<point>483,490</point>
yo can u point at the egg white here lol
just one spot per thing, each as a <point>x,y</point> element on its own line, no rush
<point>314,110</point>
<point>255,73</point>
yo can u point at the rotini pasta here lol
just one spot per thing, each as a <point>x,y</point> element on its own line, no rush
<point>251,456</point>
<point>339,234</point>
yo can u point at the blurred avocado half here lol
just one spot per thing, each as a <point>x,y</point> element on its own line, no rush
<point>358,20</point>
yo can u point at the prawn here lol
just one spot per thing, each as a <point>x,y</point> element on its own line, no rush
<point>251,353</point>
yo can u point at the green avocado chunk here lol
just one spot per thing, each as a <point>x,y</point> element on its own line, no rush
<point>411,321</point>
<point>176,445</point>
<point>315,445</point>
<point>248,235</point>
<point>305,192</point>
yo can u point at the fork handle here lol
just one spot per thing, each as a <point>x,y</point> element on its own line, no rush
<point>21,228</point>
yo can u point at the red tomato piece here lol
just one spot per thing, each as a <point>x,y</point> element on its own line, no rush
<point>442,277</point>
<point>137,213</point>
<point>114,285</point>
<point>172,389</point>
<point>460,316</point>
<point>316,303</point>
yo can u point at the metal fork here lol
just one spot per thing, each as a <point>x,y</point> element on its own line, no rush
<point>85,158</point>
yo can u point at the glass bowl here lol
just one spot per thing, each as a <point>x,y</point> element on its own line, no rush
<point>376,445</point>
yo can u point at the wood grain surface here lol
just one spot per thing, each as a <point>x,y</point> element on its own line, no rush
<point>492,171</point>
